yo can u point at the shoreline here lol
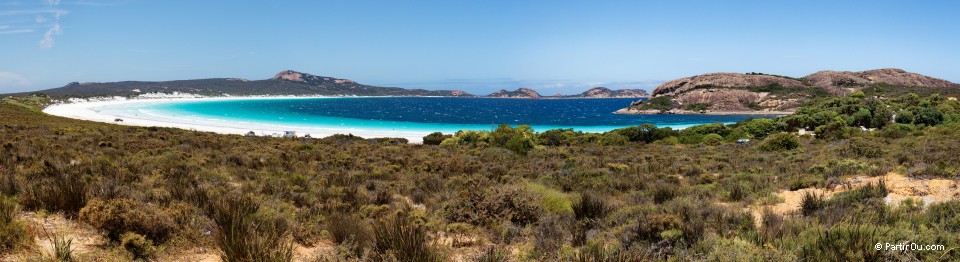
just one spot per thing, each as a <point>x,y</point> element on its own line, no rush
<point>89,109</point>
<point>626,111</point>
<point>86,109</point>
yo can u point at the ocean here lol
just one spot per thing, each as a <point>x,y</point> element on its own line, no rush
<point>409,115</point>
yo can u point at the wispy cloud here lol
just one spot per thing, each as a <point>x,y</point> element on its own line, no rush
<point>95,3</point>
<point>8,79</point>
<point>15,31</point>
<point>43,16</point>
<point>45,10</point>
<point>55,29</point>
<point>47,41</point>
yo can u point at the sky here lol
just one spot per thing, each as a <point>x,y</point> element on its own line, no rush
<point>478,46</point>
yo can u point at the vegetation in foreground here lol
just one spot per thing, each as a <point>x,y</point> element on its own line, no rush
<point>638,193</point>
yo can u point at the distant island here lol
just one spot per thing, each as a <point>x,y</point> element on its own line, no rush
<point>596,92</point>
<point>758,93</point>
<point>293,83</point>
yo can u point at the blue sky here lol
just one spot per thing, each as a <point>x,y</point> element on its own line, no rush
<point>479,46</point>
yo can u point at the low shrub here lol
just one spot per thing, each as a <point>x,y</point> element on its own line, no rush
<point>349,231</point>
<point>946,214</point>
<point>779,142</point>
<point>550,199</point>
<point>246,235</point>
<point>842,242</point>
<point>860,195</point>
<point>492,253</point>
<point>400,238</point>
<point>138,245</point>
<point>435,138</point>
<point>862,147</point>
<point>550,234</point>
<point>649,227</point>
<point>811,203</point>
<point>121,215</point>
<point>60,189</point>
<point>711,139</point>
<point>13,233</point>
<point>590,207</point>
<point>506,203</point>
<point>848,167</point>
<point>664,191</point>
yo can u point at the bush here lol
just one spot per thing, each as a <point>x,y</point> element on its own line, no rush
<point>859,195</point>
<point>550,199</point>
<point>649,227</point>
<point>550,235</point>
<point>848,167</point>
<point>590,207</point>
<point>245,235</point>
<point>349,231</point>
<point>759,128</point>
<point>481,207</point>
<point>138,245</point>
<point>712,139</point>
<point>780,141</point>
<point>862,147</point>
<point>13,233</point>
<point>402,239</point>
<point>119,216</point>
<point>723,249</point>
<point>646,133</point>
<point>811,203</point>
<point>492,254</point>
<point>613,139</point>
<point>664,191</point>
<point>946,214</point>
<point>435,138</point>
<point>842,242</point>
<point>60,189</point>
<point>557,137</point>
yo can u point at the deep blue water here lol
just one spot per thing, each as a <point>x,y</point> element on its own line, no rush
<point>429,113</point>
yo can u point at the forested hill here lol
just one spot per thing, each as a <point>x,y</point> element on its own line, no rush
<point>284,83</point>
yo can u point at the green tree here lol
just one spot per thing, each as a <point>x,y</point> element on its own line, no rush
<point>929,116</point>
<point>862,117</point>
<point>760,127</point>
<point>712,139</point>
<point>435,138</point>
<point>780,141</point>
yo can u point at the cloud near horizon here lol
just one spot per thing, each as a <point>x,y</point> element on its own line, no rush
<point>8,79</point>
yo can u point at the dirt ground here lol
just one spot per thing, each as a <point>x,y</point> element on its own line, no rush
<point>899,188</point>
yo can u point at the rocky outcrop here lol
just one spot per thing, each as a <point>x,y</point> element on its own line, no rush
<point>759,93</point>
<point>603,92</point>
<point>519,93</point>
<point>458,92</point>
<point>294,76</point>
<point>723,80</point>
<point>735,100</point>
<point>890,76</point>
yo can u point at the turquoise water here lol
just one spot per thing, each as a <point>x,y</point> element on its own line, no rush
<point>410,114</point>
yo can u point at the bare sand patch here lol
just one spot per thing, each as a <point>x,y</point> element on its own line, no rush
<point>899,188</point>
<point>85,240</point>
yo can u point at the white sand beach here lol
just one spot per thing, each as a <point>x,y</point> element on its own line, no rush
<point>89,110</point>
